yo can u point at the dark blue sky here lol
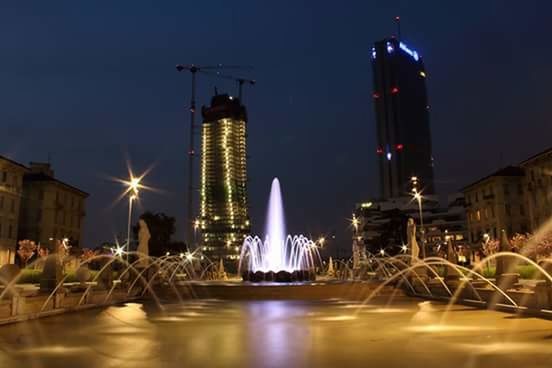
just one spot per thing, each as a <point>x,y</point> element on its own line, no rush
<point>94,82</point>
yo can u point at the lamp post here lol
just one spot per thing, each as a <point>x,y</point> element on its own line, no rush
<point>133,186</point>
<point>418,197</point>
<point>197,224</point>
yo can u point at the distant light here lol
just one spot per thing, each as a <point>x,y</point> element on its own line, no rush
<point>389,155</point>
<point>390,47</point>
<point>375,95</point>
<point>394,90</point>
<point>382,252</point>
<point>168,254</point>
<point>423,74</point>
<point>379,151</point>
<point>118,251</point>
<point>366,205</point>
<point>410,52</point>
<point>373,52</point>
<point>404,248</point>
<point>399,147</point>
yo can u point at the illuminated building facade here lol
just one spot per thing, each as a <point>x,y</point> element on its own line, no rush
<point>402,118</point>
<point>11,191</point>
<point>224,216</point>
<point>51,210</point>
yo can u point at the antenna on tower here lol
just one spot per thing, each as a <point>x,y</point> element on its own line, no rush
<point>398,21</point>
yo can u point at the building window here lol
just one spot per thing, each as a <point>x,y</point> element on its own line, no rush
<point>1,202</point>
<point>10,231</point>
<point>506,190</point>
<point>12,206</point>
<point>521,210</point>
<point>478,215</point>
<point>4,176</point>
<point>508,209</point>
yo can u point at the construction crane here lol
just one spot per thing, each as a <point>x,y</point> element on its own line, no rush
<point>239,80</point>
<point>194,69</point>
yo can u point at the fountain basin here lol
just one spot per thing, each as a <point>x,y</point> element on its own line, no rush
<point>280,276</point>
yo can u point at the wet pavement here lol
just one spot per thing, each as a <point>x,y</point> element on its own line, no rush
<point>330,333</point>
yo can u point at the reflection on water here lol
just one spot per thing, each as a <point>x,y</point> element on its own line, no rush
<point>330,333</point>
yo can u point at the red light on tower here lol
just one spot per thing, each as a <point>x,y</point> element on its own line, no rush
<point>379,151</point>
<point>375,95</point>
<point>394,90</point>
<point>399,147</point>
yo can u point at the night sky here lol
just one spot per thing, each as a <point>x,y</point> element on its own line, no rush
<point>93,83</point>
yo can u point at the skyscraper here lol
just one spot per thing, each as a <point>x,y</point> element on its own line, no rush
<point>224,217</point>
<point>402,118</point>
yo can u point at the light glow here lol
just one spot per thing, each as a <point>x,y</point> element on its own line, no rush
<point>410,52</point>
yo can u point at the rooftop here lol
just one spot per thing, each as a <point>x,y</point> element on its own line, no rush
<point>537,156</point>
<point>4,158</point>
<point>504,172</point>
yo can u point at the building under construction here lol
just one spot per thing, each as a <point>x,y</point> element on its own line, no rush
<point>224,216</point>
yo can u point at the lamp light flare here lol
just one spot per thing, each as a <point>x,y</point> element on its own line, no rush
<point>118,251</point>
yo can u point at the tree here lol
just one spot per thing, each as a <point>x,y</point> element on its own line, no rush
<point>161,228</point>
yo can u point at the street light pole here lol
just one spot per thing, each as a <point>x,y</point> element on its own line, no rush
<point>418,197</point>
<point>422,229</point>
<point>130,200</point>
<point>133,185</point>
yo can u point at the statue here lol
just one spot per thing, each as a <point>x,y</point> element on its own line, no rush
<point>143,240</point>
<point>331,271</point>
<point>411,237</point>
<point>221,273</point>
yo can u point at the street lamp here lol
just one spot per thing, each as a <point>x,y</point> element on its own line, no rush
<point>355,223</point>
<point>132,189</point>
<point>197,224</point>
<point>321,241</point>
<point>418,197</point>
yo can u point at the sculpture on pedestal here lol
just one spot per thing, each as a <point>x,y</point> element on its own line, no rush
<point>411,236</point>
<point>143,240</point>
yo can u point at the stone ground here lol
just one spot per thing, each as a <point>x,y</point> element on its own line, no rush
<point>329,333</point>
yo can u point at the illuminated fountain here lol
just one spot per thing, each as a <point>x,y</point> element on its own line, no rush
<point>280,257</point>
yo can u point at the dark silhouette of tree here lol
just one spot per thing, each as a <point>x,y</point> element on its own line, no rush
<point>392,232</point>
<point>161,228</point>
